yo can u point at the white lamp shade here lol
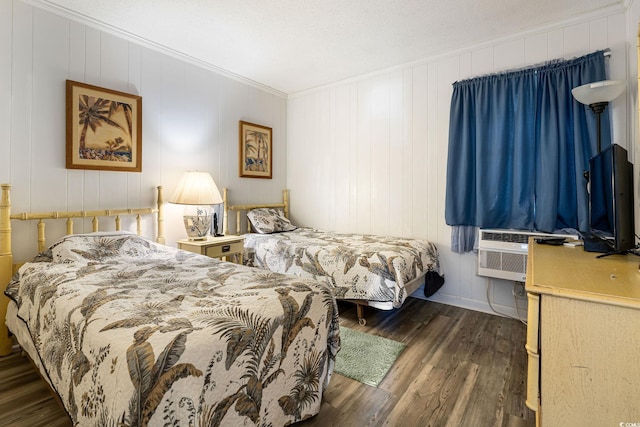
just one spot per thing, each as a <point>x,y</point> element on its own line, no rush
<point>603,91</point>
<point>196,188</point>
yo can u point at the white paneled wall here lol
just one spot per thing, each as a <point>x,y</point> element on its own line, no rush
<point>366,155</point>
<point>370,154</point>
<point>190,120</point>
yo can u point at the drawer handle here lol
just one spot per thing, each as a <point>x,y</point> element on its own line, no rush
<point>226,248</point>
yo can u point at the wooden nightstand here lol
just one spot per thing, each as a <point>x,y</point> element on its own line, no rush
<point>216,247</point>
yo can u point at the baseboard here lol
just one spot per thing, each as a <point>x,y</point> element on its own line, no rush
<point>471,304</point>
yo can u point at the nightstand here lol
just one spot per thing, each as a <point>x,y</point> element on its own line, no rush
<point>216,247</point>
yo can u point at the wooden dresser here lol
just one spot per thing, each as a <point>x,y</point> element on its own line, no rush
<point>583,337</point>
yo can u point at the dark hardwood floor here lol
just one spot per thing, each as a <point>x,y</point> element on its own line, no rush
<point>460,368</point>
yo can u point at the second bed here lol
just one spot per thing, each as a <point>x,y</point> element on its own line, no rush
<point>369,270</point>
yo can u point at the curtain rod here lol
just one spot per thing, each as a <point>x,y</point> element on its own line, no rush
<point>606,53</point>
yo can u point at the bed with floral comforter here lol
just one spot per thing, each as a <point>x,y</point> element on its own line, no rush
<point>129,332</point>
<point>375,269</point>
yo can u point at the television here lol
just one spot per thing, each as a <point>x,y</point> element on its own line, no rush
<point>611,207</point>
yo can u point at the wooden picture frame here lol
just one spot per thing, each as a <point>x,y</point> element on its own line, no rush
<point>104,129</point>
<point>256,156</point>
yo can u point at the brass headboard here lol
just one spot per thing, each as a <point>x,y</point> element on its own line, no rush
<point>8,268</point>
<point>240,208</point>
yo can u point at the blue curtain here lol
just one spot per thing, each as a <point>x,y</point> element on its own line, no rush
<point>518,145</point>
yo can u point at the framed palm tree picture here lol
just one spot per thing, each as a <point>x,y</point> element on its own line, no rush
<point>256,156</point>
<point>104,129</point>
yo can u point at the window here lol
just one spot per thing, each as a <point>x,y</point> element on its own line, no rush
<point>518,146</point>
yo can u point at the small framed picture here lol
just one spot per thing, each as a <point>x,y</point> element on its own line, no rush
<point>104,129</point>
<point>256,156</point>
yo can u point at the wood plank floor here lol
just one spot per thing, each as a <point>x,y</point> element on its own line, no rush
<point>460,368</point>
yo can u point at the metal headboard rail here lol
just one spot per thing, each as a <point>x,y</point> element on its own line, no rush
<point>7,266</point>
<point>284,205</point>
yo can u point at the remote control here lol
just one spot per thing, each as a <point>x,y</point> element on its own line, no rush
<point>556,241</point>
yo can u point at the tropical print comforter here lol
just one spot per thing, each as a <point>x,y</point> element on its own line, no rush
<point>133,333</point>
<point>357,266</point>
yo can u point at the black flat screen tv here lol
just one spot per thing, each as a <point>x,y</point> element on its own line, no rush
<point>611,206</point>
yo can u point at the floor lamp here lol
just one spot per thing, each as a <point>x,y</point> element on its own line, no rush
<point>597,96</point>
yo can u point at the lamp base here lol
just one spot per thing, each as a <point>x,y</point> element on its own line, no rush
<point>197,226</point>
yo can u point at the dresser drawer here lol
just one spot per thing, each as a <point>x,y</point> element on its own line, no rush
<point>224,249</point>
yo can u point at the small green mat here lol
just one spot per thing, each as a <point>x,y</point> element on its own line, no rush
<point>364,357</point>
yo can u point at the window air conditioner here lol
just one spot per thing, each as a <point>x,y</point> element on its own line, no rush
<point>503,253</point>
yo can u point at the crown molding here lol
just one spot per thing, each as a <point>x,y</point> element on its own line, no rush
<point>438,56</point>
<point>107,28</point>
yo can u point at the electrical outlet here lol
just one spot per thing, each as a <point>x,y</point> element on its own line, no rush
<point>518,289</point>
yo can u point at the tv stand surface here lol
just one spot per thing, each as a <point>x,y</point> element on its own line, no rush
<point>618,253</point>
<point>582,336</point>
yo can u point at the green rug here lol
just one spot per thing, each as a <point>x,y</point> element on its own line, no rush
<point>364,357</point>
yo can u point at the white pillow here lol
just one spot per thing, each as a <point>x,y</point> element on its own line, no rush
<point>267,220</point>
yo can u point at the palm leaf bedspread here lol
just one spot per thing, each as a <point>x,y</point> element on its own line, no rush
<point>130,332</point>
<point>358,266</point>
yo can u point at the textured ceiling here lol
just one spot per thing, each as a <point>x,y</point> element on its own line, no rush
<point>294,45</point>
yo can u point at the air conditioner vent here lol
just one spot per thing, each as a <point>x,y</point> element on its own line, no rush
<point>506,237</point>
<point>503,253</point>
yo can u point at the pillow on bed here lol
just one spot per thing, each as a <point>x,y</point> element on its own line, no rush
<point>98,246</point>
<point>267,220</point>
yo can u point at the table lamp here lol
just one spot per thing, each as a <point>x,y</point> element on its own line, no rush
<point>197,191</point>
